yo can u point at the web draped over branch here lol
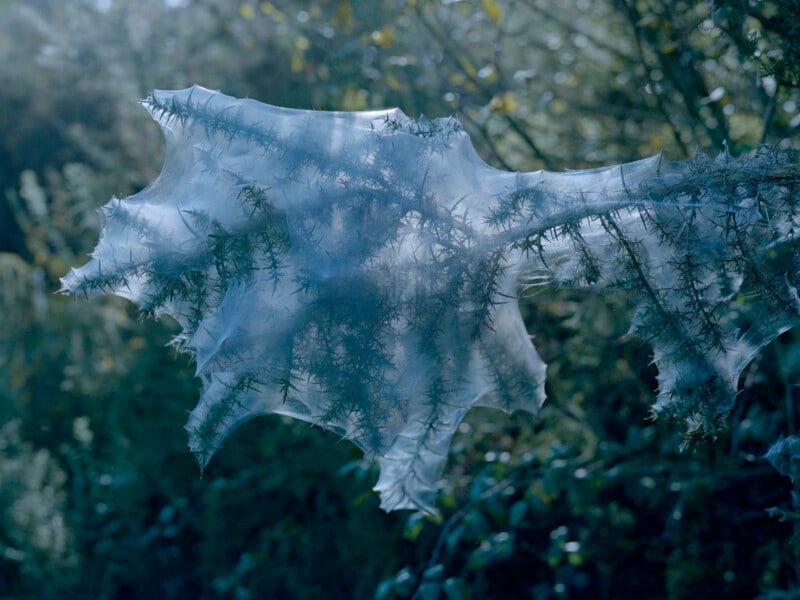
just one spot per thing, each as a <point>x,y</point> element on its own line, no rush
<point>361,271</point>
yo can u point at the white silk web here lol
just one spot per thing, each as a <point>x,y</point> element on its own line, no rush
<point>360,271</point>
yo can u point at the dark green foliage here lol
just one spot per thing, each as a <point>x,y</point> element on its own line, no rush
<point>612,527</point>
<point>767,31</point>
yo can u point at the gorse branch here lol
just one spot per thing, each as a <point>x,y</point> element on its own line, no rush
<point>361,271</point>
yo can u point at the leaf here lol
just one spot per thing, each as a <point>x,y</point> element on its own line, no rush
<point>504,104</point>
<point>360,271</point>
<point>498,547</point>
<point>492,9</point>
<point>456,588</point>
<point>784,456</point>
<point>414,526</point>
<point>247,12</point>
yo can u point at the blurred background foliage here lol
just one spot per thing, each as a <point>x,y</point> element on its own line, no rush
<point>99,497</point>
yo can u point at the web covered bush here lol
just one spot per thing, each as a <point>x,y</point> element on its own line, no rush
<point>361,271</point>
